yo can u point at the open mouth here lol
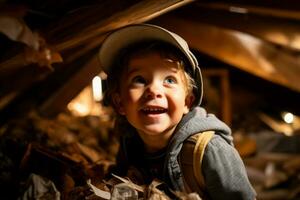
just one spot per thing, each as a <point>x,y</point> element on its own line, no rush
<point>153,110</point>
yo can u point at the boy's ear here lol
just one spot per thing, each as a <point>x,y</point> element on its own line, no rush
<point>118,103</point>
<point>189,100</point>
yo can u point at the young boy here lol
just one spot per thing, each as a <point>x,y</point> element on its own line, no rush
<point>155,86</point>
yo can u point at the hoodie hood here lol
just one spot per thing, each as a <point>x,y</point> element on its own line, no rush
<point>197,120</point>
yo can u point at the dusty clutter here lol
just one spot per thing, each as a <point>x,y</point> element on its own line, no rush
<point>274,170</point>
<point>272,159</point>
<point>66,158</point>
<point>66,150</point>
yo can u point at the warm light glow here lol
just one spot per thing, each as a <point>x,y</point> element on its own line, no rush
<point>288,117</point>
<point>97,88</point>
<point>84,104</point>
<point>81,109</point>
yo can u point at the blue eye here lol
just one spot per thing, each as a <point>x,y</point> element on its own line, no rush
<point>170,80</point>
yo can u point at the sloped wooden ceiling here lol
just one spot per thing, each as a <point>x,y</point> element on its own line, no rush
<point>29,73</point>
<point>259,37</point>
<point>255,36</point>
<point>240,50</point>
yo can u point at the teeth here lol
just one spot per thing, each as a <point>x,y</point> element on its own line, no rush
<point>153,109</point>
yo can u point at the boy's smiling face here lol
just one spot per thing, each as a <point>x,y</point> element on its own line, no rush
<point>153,96</point>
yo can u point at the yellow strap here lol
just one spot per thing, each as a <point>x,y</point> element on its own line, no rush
<point>201,143</point>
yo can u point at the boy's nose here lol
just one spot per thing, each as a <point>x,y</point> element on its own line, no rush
<point>153,91</point>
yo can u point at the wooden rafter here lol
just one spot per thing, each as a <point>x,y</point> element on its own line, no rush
<point>238,49</point>
<point>138,13</point>
<point>91,35</point>
<point>251,9</point>
<point>279,31</point>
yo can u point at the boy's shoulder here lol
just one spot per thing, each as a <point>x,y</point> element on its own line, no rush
<point>191,157</point>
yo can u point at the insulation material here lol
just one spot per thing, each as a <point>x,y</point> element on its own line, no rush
<point>37,51</point>
<point>121,188</point>
<point>40,188</point>
<point>16,30</point>
<point>66,150</point>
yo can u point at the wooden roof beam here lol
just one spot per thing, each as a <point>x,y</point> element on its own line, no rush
<point>92,36</point>
<point>250,9</point>
<point>138,13</point>
<point>281,32</point>
<point>240,50</point>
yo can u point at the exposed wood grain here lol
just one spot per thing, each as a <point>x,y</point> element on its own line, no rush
<point>250,9</point>
<point>279,31</point>
<point>140,12</point>
<point>240,50</point>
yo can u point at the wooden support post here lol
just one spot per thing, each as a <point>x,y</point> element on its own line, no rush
<point>224,88</point>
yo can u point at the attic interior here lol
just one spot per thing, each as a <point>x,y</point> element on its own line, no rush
<point>54,125</point>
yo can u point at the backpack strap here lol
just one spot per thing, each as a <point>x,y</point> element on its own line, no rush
<point>202,141</point>
<point>190,159</point>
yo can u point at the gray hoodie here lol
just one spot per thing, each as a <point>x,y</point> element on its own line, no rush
<point>223,170</point>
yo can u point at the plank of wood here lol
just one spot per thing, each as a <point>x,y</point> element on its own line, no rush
<point>252,9</point>
<point>240,50</point>
<point>280,31</point>
<point>138,13</point>
<point>224,88</point>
